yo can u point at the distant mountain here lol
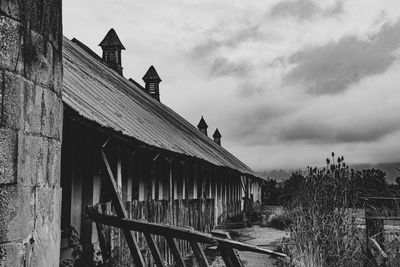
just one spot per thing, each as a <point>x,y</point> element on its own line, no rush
<point>390,168</point>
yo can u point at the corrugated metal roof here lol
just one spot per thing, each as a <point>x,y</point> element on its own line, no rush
<point>101,95</point>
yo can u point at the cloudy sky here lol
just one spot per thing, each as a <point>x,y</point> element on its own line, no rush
<point>285,81</point>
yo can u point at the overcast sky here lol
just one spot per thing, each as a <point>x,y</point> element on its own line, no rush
<point>286,82</point>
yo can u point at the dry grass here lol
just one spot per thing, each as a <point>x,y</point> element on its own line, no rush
<point>323,231</point>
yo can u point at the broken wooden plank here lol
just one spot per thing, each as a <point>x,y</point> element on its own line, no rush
<point>175,251</point>
<point>154,250</point>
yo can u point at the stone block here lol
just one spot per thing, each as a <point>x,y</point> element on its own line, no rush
<point>37,54</point>
<point>32,108</point>
<point>47,234</point>
<point>44,206</point>
<point>22,103</point>
<point>11,253</point>
<point>11,45</point>
<point>54,162</point>
<point>52,115</point>
<point>17,205</point>
<point>57,73</point>
<point>13,98</point>
<point>32,160</point>
<point>43,16</point>
<point>8,156</point>
<point>27,53</point>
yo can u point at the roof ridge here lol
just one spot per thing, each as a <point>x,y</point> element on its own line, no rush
<point>87,49</point>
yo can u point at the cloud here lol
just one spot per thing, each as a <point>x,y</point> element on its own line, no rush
<point>304,9</point>
<point>223,67</point>
<point>232,40</point>
<point>368,113</point>
<point>317,131</point>
<point>331,68</point>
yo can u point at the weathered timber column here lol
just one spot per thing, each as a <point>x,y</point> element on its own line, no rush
<point>30,132</point>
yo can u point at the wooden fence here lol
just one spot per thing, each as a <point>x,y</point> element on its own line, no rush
<point>197,214</point>
<point>174,236</point>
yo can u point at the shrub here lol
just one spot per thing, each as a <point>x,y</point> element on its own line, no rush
<point>279,221</point>
<point>323,231</point>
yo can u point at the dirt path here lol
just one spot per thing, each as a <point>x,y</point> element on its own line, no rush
<point>264,237</point>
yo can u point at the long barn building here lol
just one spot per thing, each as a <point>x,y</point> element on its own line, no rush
<point>155,154</point>
<point>65,114</point>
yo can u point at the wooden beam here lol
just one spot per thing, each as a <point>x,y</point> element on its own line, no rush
<point>175,251</point>
<point>151,228</point>
<point>199,253</point>
<point>156,157</point>
<point>154,250</point>
<point>119,173</point>
<point>121,213</point>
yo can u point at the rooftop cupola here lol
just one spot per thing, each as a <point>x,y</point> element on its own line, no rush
<point>112,47</point>
<point>202,126</point>
<point>217,137</point>
<point>152,81</point>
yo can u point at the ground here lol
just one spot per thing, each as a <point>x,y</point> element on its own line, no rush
<point>264,237</point>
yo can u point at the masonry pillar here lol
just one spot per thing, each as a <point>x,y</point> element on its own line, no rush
<point>30,132</point>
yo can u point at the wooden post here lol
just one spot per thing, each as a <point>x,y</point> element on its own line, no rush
<point>76,200</point>
<point>160,176</point>
<point>153,183</point>
<point>175,180</point>
<point>129,182</point>
<point>210,180</point>
<point>184,178</point>
<point>141,178</point>
<point>195,181</point>
<point>171,183</point>
<point>215,178</point>
<point>96,200</point>
<point>119,172</point>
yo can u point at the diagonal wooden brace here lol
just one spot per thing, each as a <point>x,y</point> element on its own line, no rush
<point>121,212</point>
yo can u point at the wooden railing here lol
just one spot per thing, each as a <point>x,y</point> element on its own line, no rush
<point>172,234</point>
<point>197,214</point>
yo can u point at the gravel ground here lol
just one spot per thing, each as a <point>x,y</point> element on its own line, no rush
<point>264,237</point>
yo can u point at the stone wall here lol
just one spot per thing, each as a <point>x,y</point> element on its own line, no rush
<point>30,132</point>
